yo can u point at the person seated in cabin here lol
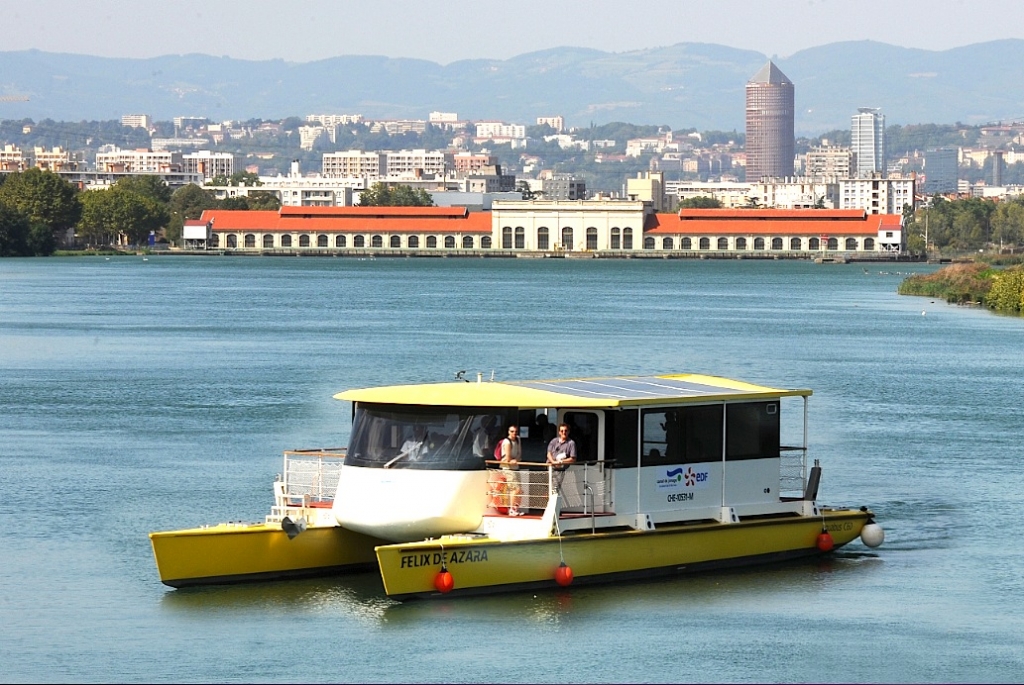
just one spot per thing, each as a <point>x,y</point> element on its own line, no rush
<point>561,453</point>
<point>545,431</point>
<point>415,447</point>
<point>511,454</point>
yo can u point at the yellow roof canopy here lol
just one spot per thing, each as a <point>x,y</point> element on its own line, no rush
<point>614,391</point>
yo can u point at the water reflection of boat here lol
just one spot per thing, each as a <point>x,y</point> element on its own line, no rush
<point>674,474</point>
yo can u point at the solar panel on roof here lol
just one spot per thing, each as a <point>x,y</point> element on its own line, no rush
<point>637,388</point>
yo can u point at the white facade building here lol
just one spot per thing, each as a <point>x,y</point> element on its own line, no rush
<point>11,158</point>
<point>138,161</point>
<point>828,163</point>
<point>867,142</point>
<point>796,194</point>
<point>209,164</point>
<point>498,129</point>
<point>557,123</point>
<point>330,120</point>
<point>730,193</point>
<point>137,120</point>
<point>345,163</point>
<point>876,195</point>
<point>417,162</point>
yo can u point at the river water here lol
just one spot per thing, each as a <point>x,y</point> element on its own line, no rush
<point>140,395</point>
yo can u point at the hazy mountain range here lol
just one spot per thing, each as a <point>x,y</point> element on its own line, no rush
<point>686,85</point>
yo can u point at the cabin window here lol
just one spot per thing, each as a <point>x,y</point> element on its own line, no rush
<point>583,429</point>
<point>752,430</point>
<point>682,435</point>
<point>427,438</point>
<point>620,437</point>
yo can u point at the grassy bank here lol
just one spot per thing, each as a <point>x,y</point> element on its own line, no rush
<point>975,283</point>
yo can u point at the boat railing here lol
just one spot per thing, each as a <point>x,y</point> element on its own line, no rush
<point>583,487</point>
<point>792,471</point>
<point>309,478</point>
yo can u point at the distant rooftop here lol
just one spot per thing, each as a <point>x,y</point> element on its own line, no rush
<point>770,74</point>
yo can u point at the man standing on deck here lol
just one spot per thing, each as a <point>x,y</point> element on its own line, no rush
<point>561,453</point>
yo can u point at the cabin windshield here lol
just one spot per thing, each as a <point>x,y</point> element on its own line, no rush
<point>426,437</point>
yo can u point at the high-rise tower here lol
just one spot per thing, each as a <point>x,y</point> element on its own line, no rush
<point>769,124</point>
<point>867,141</point>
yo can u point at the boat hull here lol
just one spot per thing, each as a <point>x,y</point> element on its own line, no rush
<point>237,553</point>
<point>480,565</point>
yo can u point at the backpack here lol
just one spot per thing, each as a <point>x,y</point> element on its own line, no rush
<point>497,449</point>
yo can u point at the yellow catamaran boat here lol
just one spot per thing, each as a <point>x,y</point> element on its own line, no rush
<point>673,474</point>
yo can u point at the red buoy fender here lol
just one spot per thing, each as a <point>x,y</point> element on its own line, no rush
<point>563,575</point>
<point>444,582</point>
<point>825,541</point>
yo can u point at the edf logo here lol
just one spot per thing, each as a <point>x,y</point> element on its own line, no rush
<point>692,478</point>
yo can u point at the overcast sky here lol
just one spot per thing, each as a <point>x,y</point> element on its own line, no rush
<point>444,32</point>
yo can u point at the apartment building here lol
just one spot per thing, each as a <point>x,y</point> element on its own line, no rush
<point>357,163</point>
<point>209,164</point>
<point>876,195</point>
<point>418,162</point>
<point>829,162</point>
<point>142,161</point>
<point>137,120</point>
<point>796,193</point>
<point>329,120</point>
<point>11,158</point>
<point>500,130</point>
<point>557,123</point>
<point>466,163</point>
<point>867,142</point>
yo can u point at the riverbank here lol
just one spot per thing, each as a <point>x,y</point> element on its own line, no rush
<point>975,283</point>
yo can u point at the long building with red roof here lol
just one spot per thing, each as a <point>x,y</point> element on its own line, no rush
<point>599,226</point>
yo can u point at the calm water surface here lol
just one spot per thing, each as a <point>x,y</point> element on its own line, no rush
<point>143,395</point>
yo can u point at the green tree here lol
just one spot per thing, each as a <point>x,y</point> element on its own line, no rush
<point>263,200</point>
<point>116,213</point>
<point>14,229</point>
<point>382,195</point>
<point>244,178</point>
<point>187,202</point>
<point>150,186</point>
<point>43,197</point>
<point>1008,223</point>
<point>700,202</point>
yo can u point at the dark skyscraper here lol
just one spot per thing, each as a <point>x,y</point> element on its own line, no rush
<point>769,124</point>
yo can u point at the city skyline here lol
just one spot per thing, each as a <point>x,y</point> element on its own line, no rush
<point>112,28</point>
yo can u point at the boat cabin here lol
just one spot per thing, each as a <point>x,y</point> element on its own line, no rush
<point>650,450</point>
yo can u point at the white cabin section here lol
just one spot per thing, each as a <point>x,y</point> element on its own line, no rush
<point>675,452</point>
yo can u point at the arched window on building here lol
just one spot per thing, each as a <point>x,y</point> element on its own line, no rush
<point>833,244</point>
<point>377,241</point>
<point>467,242</point>
<point>567,238</point>
<point>869,244</point>
<point>813,244</point>
<point>250,240</point>
<point>851,243</point>
<point>268,241</point>
<point>776,243</point>
<point>795,243</point>
<point>339,241</point>
<point>520,237</point>
<point>685,244</point>
<point>214,240</point>
<point>616,239</point>
<point>303,240</point>
<point>649,243</point>
<point>431,242</point>
<point>741,243</point>
<point>359,241</point>
<point>449,242</point>
<point>414,242</point>
<point>396,241</point>
<point>543,239</point>
<point>705,243</point>
<point>321,240</point>
<point>758,243</point>
<point>591,238</point>
<point>723,243</point>
<point>666,243</point>
<point>286,241</point>
<point>485,242</point>
<point>627,239</point>
<point>232,241</point>
<point>506,238</point>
